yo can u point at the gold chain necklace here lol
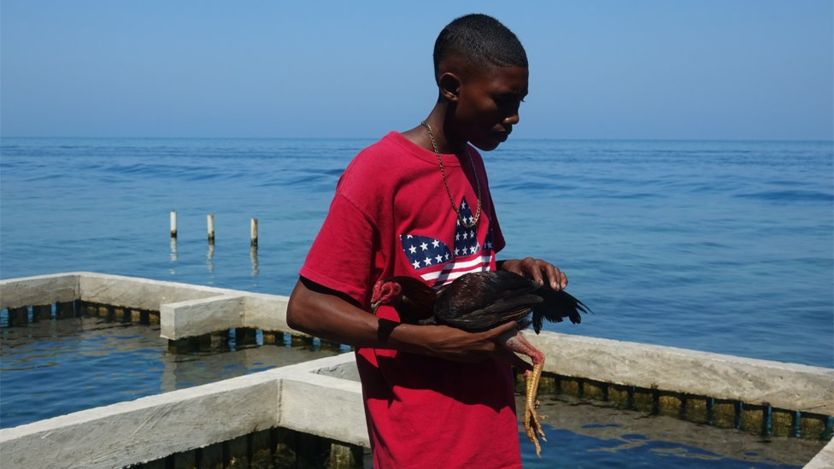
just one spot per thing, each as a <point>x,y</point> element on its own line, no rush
<point>462,220</point>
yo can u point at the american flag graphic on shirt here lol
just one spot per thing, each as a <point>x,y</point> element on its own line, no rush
<point>439,264</point>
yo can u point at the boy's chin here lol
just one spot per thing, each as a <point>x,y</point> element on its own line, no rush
<point>486,144</point>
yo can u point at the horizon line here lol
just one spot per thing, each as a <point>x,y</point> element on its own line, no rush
<point>643,139</point>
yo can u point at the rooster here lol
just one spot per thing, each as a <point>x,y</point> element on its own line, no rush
<point>480,301</point>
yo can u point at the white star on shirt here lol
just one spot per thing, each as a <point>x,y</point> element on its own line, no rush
<point>463,205</point>
<point>427,261</point>
<point>416,264</point>
<point>447,256</point>
<point>435,243</point>
<point>472,249</point>
<point>457,251</point>
<point>424,247</point>
<point>412,249</point>
<point>438,258</point>
<point>471,234</point>
<point>465,235</point>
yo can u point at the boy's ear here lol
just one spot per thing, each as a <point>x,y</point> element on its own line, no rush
<point>449,86</point>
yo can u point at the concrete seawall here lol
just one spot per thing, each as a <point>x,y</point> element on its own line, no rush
<point>323,398</point>
<point>184,310</point>
<point>151,428</point>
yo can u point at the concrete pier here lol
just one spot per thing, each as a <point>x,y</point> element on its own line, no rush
<point>293,397</point>
<point>782,385</point>
<point>183,310</point>
<point>323,397</point>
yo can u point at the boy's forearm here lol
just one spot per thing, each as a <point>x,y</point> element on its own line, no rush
<point>333,318</point>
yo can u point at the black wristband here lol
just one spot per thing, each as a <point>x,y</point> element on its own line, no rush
<point>384,329</point>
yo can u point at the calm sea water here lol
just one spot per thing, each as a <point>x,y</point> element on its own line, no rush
<point>718,246</point>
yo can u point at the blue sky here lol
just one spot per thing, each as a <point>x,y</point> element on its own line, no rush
<point>602,69</point>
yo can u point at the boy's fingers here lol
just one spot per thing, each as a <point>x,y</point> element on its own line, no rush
<point>554,276</point>
<point>534,270</point>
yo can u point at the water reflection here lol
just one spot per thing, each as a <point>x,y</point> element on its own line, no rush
<point>173,256</point>
<point>608,437</point>
<point>253,256</point>
<point>210,258</point>
<point>81,363</point>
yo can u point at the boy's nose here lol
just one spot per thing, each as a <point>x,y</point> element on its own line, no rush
<point>512,119</point>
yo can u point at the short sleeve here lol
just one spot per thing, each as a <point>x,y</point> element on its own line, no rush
<point>342,255</point>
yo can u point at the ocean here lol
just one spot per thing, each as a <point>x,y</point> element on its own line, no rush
<point>718,246</point>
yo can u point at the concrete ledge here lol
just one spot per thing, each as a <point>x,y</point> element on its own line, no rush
<point>193,310</point>
<point>312,397</point>
<point>195,317</point>
<point>783,385</point>
<point>267,312</point>
<point>139,293</point>
<point>321,397</point>
<point>824,459</point>
<point>146,429</point>
<point>185,310</point>
<point>322,405</point>
<point>40,290</point>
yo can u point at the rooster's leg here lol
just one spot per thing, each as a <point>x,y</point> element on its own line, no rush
<point>532,424</point>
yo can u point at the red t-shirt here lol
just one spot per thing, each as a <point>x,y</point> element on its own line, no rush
<point>391,216</point>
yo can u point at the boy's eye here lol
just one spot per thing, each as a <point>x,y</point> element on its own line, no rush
<point>509,99</point>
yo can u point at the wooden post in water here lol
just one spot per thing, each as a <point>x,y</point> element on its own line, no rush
<point>18,316</point>
<point>210,227</point>
<point>245,336</point>
<point>344,456</point>
<point>271,338</point>
<point>65,310</point>
<point>220,340</point>
<point>253,233</point>
<point>173,224</point>
<point>42,312</point>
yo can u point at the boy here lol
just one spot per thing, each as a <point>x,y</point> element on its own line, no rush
<point>417,204</point>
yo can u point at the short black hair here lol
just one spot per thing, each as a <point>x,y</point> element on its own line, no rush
<point>481,40</point>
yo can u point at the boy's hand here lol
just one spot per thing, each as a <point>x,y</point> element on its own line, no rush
<point>536,270</point>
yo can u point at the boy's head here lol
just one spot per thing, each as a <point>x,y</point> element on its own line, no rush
<point>481,71</point>
<point>480,41</point>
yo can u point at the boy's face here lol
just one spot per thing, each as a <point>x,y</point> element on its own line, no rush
<point>487,106</point>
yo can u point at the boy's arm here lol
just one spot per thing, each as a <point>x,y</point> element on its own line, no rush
<point>329,315</point>
<point>537,270</point>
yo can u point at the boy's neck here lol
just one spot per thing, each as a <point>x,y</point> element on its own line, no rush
<point>441,131</point>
